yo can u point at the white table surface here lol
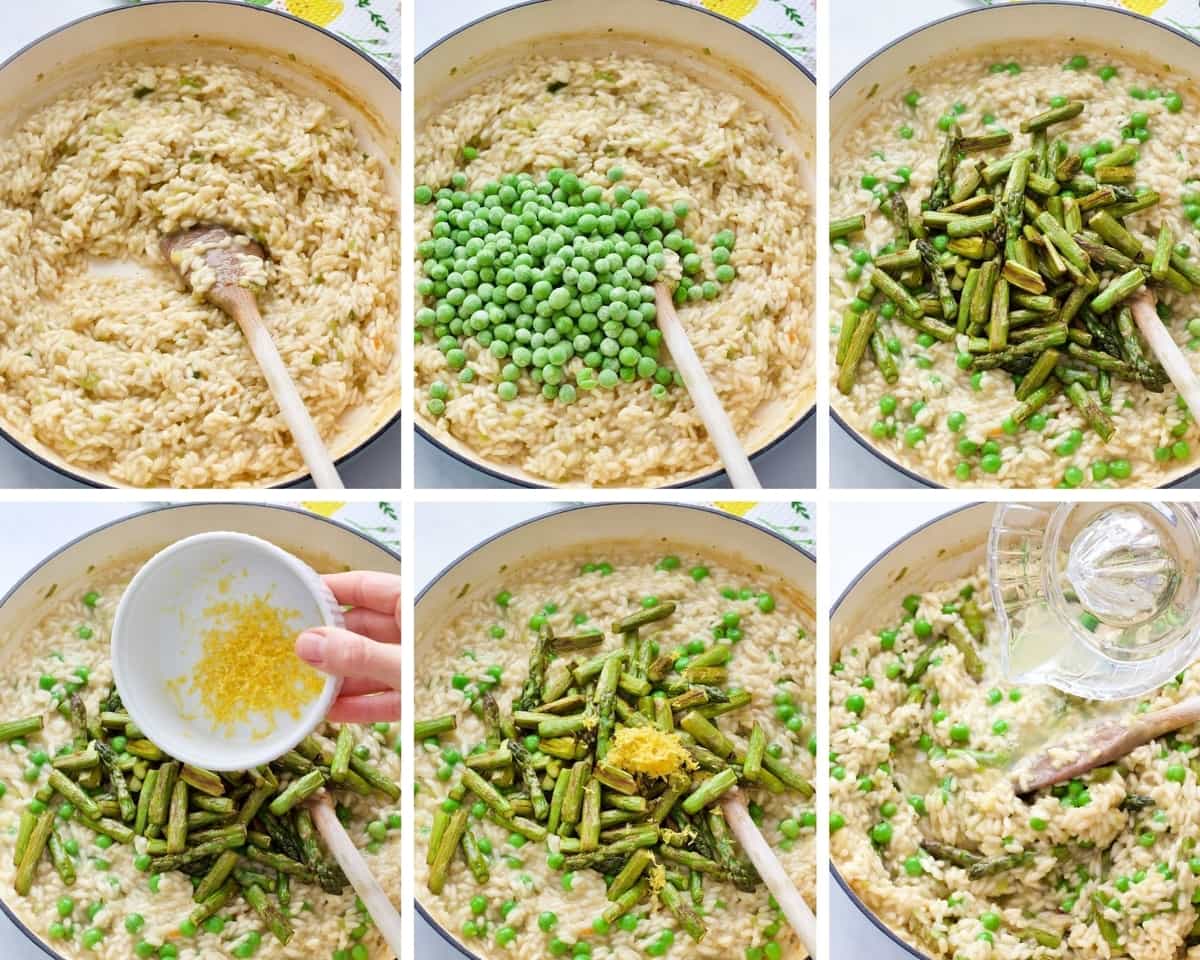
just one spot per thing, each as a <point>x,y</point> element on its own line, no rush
<point>791,463</point>
<point>377,467</point>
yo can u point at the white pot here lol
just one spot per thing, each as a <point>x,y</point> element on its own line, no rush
<point>726,55</point>
<point>579,529</point>
<point>320,542</point>
<point>951,546</point>
<point>299,54</point>
<point>888,72</point>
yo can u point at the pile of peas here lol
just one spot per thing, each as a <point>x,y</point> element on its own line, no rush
<point>539,272</point>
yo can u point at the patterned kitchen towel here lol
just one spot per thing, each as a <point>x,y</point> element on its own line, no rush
<point>379,521</point>
<point>371,25</point>
<point>1181,14</point>
<point>791,24</point>
<point>791,520</point>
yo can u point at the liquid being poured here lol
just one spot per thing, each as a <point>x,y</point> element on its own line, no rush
<point>1125,567</point>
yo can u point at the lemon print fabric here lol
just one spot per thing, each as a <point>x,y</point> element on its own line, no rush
<point>1144,7</point>
<point>320,12</point>
<point>323,508</point>
<point>737,508</point>
<point>734,9</point>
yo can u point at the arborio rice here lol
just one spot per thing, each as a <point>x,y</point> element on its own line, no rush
<point>677,140</point>
<point>485,645</point>
<point>1154,436</point>
<point>69,644</point>
<point>126,373</point>
<point>1089,872</point>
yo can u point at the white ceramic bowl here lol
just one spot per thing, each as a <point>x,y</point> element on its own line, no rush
<point>949,547</point>
<point>887,72</point>
<point>323,543</point>
<point>158,638</point>
<point>725,54</point>
<point>296,53</point>
<point>581,528</point>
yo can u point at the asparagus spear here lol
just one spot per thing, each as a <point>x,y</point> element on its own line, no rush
<point>1067,111</point>
<point>847,226</point>
<point>929,256</point>
<point>218,873</point>
<point>683,913</point>
<point>447,848</point>
<point>858,347</point>
<point>991,866</point>
<point>424,729</point>
<point>643,617</point>
<point>39,837</point>
<point>279,927</point>
<point>296,791</point>
<point>12,729</point>
<point>116,777</point>
<point>950,854</point>
<point>177,826</point>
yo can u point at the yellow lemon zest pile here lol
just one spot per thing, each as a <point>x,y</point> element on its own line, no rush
<point>648,750</point>
<point>658,877</point>
<point>249,665</point>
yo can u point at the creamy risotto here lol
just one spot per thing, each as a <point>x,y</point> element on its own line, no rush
<point>1037,376</point>
<point>105,358</point>
<point>640,862</point>
<point>930,833</point>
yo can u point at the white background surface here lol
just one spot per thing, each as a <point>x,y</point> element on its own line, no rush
<point>377,467</point>
<point>791,463</point>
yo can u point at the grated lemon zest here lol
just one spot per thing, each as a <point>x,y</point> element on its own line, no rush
<point>648,750</point>
<point>249,668</point>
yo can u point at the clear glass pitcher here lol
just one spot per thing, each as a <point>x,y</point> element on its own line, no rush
<point>1100,600</point>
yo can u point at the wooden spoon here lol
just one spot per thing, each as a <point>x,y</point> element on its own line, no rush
<point>799,917</point>
<point>224,253</point>
<point>379,905</point>
<point>1164,347</point>
<point>708,405</point>
<point>1103,744</point>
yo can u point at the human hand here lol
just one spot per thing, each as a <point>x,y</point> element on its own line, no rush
<point>366,653</point>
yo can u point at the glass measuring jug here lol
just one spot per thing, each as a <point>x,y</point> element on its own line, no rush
<point>1100,600</point>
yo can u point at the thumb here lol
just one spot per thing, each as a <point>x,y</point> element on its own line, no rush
<point>346,654</point>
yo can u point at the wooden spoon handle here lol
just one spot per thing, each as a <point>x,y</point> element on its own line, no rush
<point>295,415</point>
<point>1106,743</point>
<point>1163,345</point>
<point>708,405</point>
<point>383,912</point>
<point>799,917</point>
